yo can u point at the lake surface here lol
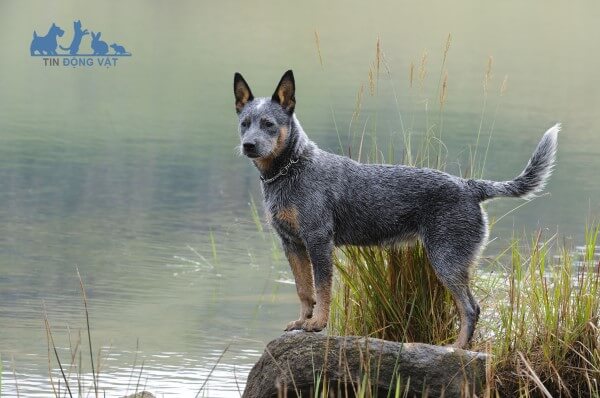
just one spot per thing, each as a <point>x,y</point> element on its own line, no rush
<point>130,174</point>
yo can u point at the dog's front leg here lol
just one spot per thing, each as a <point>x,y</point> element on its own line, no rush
<point>303,275</point>
<point>320,252</point>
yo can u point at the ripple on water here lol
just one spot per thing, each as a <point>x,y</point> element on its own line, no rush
<point>171,374</point>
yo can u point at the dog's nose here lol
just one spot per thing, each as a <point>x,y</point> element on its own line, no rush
<point>249,147</point>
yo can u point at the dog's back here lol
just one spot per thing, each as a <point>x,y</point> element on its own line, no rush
<point>374,204</point>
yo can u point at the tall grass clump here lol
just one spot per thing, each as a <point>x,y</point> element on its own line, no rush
<point>547,336</point>
<point>540,313</point>
<point>380,296</point>
<point>540,305</point>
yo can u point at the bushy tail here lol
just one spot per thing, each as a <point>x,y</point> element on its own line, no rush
<point>531,180</point>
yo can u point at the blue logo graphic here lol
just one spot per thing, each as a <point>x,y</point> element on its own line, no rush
<point>74,48</point>
<point>46,45</point>
<point>99,51</point>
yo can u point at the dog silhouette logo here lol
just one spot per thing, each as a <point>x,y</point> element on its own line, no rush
<point>46,45</point>
<point>82,51</point>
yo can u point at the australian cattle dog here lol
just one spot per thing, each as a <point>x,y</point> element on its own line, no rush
<point>317,200</point>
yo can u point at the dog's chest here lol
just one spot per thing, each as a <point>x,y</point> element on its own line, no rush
<point>282,214</point>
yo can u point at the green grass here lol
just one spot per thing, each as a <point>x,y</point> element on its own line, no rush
<point>540,313</point>
<point>548,326</point>
<point>378,296</point>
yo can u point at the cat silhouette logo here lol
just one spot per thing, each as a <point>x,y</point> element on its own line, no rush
<point>95,51</point>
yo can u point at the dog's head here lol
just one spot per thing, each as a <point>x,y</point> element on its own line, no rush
<point>58,31</point>
<point>264,123</point>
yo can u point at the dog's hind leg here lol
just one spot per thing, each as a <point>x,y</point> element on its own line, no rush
<point>451,265</point>
<point>475,305</point>
<point>303,275</point>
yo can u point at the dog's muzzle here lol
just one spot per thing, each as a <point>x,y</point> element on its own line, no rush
<point>249,150</point>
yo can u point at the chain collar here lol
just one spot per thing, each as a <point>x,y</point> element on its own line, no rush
<point>283,171</point>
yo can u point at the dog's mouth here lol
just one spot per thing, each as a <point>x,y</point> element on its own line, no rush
<point>251,152</point>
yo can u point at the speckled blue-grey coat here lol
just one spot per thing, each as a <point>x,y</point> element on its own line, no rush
<point>317,200</point>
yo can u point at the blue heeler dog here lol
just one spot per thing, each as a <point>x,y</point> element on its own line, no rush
<point>317,200</point>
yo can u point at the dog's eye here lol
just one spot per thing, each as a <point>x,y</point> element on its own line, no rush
<point>266,123</point>
<point>246,123</point>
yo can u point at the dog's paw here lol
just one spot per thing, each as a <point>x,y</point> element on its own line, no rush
<point>314,325</point>
<point>294,325</point>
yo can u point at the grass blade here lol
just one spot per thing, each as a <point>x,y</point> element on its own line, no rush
<point>89,333</point>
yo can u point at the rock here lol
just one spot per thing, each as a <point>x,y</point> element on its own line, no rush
<point>297,360</point>
<point>143,394</point>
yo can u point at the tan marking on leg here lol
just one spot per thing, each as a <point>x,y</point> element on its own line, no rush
<point>289,215</point>
<point>302,269</point>
<point>321,313</point>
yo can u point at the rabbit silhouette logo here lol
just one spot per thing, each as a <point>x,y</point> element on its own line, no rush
<point>82,52</point>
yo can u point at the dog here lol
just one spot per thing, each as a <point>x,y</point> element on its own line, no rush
<point>316,200</point>
<point>46,45</point>
<point>78,34</point>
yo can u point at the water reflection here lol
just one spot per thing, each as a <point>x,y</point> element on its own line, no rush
<point>131,174</point>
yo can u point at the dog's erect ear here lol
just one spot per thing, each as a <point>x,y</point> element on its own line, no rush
<point>284,93</point>
<point>242,92</point>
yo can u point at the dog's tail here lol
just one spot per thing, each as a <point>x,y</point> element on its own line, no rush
<point>531,180</point>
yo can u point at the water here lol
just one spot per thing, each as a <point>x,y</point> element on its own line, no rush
<point>131,173</point>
